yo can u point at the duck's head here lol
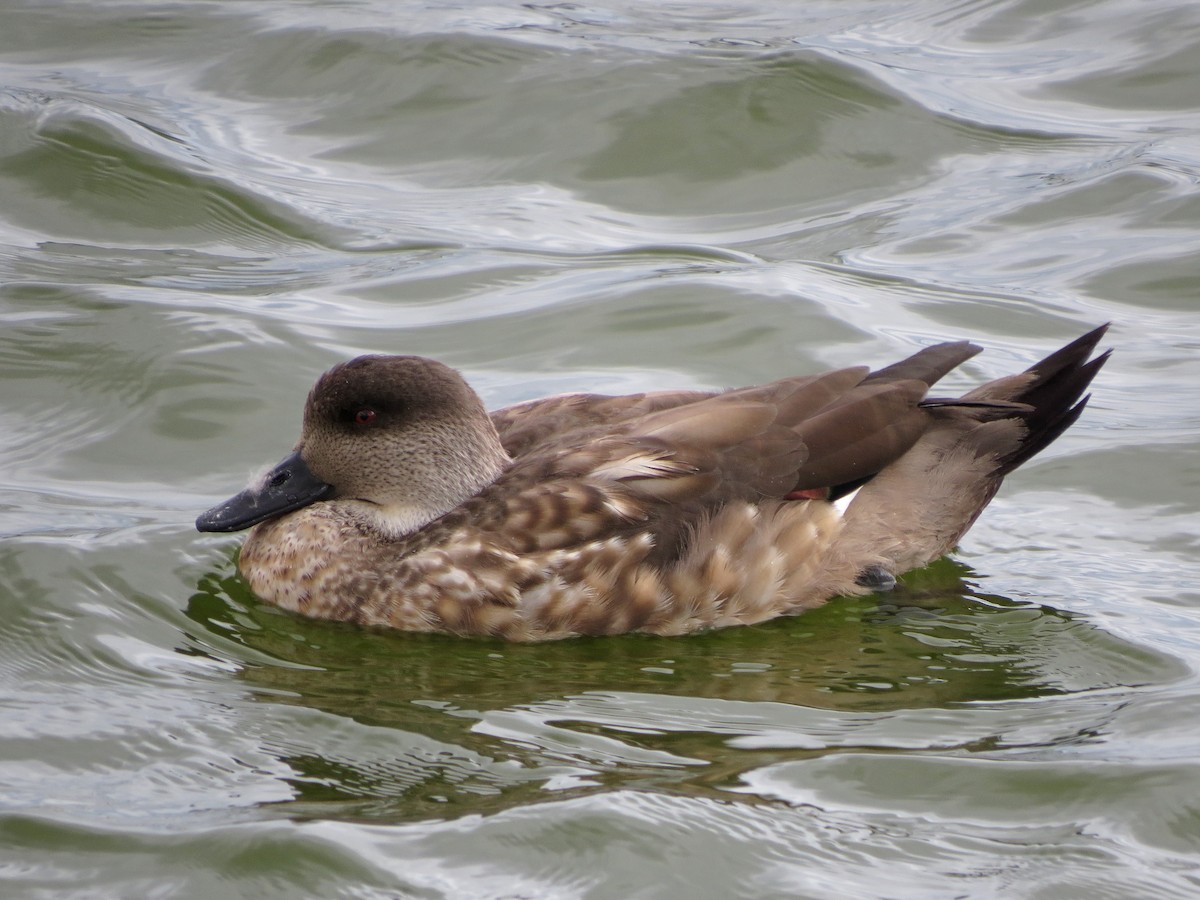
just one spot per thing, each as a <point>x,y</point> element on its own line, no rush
<point>403,438</point>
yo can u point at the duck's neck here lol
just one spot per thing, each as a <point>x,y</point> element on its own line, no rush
<point>462,472</point>
<point>396,520</point>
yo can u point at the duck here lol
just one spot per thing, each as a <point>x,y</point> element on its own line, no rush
<point>407,505</point>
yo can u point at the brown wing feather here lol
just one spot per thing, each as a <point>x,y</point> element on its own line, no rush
<point>864,431</point>
<point>589,464</point>
<point>527,426</point>
<point>929,365</point>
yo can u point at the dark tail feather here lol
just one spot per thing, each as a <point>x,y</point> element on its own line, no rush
<point>1046,398</point>
<point>1055,395</point>
<point>936,490</point>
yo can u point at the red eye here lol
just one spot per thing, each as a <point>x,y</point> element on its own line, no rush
<point>365,417</point>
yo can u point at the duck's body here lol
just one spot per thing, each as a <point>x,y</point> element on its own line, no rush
<point>406,505</point>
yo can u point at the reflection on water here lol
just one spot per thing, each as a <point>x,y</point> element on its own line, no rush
<point>469,719</point>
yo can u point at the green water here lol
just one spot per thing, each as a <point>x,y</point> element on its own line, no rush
<point>204,205</point>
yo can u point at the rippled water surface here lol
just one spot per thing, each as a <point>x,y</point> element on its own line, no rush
<point>205,204</point>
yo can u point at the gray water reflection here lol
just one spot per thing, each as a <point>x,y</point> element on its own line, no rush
<point>929,667</point>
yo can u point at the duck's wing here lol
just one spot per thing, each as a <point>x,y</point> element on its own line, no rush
<point>527,426</point>
<point>813,432</point>
<point>662,471</point>
<point>534,423</point>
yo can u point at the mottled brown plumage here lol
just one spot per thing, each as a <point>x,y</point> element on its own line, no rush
<point>406,505</point>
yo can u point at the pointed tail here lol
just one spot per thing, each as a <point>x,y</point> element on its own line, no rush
<point>917,508</point>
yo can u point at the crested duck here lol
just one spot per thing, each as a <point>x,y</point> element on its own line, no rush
<point>406,505</point>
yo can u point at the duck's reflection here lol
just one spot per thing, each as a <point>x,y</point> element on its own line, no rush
<point>432,719</point>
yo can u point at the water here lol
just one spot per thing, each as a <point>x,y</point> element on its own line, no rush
<point>206,204</point>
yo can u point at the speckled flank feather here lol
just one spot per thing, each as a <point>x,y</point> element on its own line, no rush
<point>748,563</point>
<point>662,513</point>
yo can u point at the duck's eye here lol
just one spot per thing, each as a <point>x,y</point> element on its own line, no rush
<point>365,417</point>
